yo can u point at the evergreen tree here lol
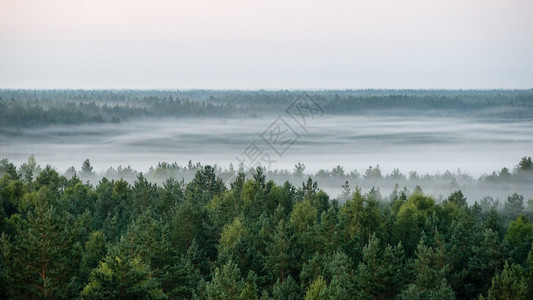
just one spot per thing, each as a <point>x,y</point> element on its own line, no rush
<point>514,205</point>
<point>381,274</point>
<point>228,284</point>
<point>121,277</point>
<point>458,199</point>
<point>204,186</point>
<point>286,290</point>
<point>509,284</point>
<point>86,171</point>
<point>341,279</point>
<point>431,269</point>
<point>520,236</point>
<point>44,259</point>
<point>28,170</point>
<point>317,290</point>
<point>279,259</point>
<point>486,260</point>
<point>8,168</point>
<point>95,252</point>
<point>361,216</point>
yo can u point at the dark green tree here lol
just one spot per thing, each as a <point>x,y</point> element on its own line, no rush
<point>514,205</point>
<point>381,274</point>
<point>509,284</point>
<point>44,259</point>
<point>520,235</point>
<point>120,277</point>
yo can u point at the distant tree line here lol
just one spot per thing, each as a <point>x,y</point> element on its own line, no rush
<point>29,108</point>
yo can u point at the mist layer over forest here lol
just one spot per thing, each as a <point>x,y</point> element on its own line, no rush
<point>266,194</point>
<point>443,140</point>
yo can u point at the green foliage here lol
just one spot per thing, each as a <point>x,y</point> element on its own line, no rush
<point>228,284</point>
<point>280,259</point>
<point>486,260</point>
<point>186,225</point>
<point>120,277</point>
<point>530,272</point>
<point>410,220</point>
<point>509,284</point>
<point>8,168</point>
<point>525,165</point>
<point>44,259</point>
<point>514,205</point>
<point>520,236</point>
<point>361,216</point>
<point>231,233</point>
<point>382,273</point>
<point>204,186</point>
<point>317,290</point>
<point>431,268</point>
<point>63,239</point>
<point>286,290</point>
<point>339,271</point>
<point>303,215</point>
<point>95,251</point>
<point>458,199</point>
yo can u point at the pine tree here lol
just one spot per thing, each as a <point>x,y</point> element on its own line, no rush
<point>86,172</point>
<point>514,205</point>
<point>317,290</point>
<point>204,186</point>
<point>143,195</point>
<point>286,290</point>
<point>227,284</point>
<point>28,170</point>
<point>361,216</point>
<point>520,236</point>
<point>311,270</point>
<point>486,260</point>
<point>458,199</point>
<point>530,273</point>
<point>341,279</point>
<point>95,252</point>
<point>381,274</point>
<point>169,196</point>
<point>121,277</point>
<point>8,168</point>
<point>431,269</point>
<point>279,260</point>
<point>303,215</point>
<point>186,225</point>
<point>509,284</point>
<point>43,261</point>
<point>180,280</point>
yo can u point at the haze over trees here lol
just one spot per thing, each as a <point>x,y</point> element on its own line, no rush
<point>255,239</point>
<point>206,231</point>
<point>30,108</point>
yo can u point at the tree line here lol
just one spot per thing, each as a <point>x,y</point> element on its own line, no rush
<point>254,239</point>
<point>30,108</point>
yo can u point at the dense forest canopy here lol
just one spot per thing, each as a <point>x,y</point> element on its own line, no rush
<point>62,237</point>
<point>200,231</point>
<point>27,108</point>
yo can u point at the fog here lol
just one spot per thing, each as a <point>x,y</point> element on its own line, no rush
<point>421,144</point>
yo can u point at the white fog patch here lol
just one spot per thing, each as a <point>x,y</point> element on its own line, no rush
<point>424,145</point>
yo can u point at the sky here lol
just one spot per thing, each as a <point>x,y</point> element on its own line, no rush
<point>266,44</point>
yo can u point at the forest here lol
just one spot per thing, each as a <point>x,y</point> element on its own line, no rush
<point>31,108</point>
<point>63,237</point>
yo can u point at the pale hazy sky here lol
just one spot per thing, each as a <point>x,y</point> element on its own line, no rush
<point>271,44</point>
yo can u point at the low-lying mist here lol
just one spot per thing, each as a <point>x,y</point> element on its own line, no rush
<point>440,140</point>
<point>439,154</point>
